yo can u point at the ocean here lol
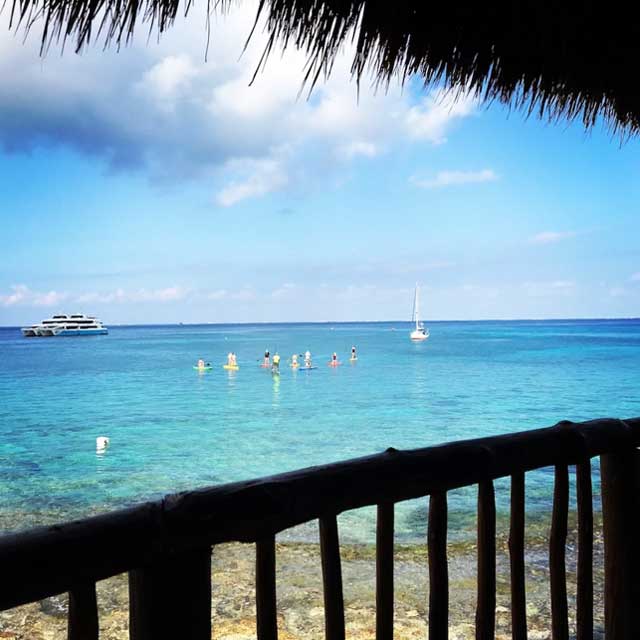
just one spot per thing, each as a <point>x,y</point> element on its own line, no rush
<point>172,428</point>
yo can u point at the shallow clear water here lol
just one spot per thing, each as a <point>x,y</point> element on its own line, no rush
<point>172,428</point>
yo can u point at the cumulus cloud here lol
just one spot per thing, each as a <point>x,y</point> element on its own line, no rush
<point>359,148</point>
<point>452,178</point>
<point>551,237</point>
<point>635,277</point>
<point>261,177</point>
<point>162,109</point>
<point>431,118</point>
<point>169,79</point>
<point>21,295</point>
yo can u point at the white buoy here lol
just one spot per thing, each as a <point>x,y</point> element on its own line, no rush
<point>102,442</point>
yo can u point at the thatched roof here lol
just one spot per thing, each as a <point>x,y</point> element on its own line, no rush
<point>571,59</point>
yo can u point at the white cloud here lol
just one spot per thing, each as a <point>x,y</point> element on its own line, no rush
<point>115,296</point>
<point>169,79</point>
<point>19,293</point>
<point>359,148</point>
<point>431,119</point>
<point>551,237</point>
<point>120,296</point>
<point>219,294</point>
<point>49,299</point>
<point>261,177</point>
<point>22,295</point>
<point>635,277</point>
<point>450,178</point>
<point>161,295</point>
<point>563,284</point>
<point>163,108</point>
<point>286,289</point>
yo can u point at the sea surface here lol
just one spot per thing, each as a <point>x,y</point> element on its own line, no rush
<point>172,428</point>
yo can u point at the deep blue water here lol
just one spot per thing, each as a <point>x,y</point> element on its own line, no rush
<point>172,428</point>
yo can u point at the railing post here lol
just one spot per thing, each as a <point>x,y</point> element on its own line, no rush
<point>172,598</point>
<point>620,501</point>
<point>83,613</point>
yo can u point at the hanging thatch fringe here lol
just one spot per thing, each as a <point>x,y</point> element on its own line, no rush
<point>573,60</point>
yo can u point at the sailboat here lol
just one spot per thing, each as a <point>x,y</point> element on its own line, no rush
<point>419,333</point>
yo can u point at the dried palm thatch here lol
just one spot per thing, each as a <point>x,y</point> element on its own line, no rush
<point>571,60</point>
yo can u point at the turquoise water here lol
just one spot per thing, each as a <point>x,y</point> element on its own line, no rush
<point>172,428</point>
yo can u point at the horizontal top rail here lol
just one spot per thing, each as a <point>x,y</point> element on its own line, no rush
<point>46,561</point>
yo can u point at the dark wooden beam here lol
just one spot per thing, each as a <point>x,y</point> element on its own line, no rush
<point>438,568</point>
<point>266,608</point>
<point>516,559</point>
<point>620,509</point>
<point>384,572</point>
<point>486,604</point>
<point>171,598</point>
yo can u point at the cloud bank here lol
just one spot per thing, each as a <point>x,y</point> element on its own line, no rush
<point>161,109</point>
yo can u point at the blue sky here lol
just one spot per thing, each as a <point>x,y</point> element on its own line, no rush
<point>148,185</point>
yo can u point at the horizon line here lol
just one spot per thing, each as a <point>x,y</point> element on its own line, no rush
<point>332,322</point>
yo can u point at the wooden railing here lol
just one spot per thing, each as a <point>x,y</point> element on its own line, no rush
<point>166,546</point>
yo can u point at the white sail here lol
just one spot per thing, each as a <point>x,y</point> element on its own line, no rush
<point>419,333</point>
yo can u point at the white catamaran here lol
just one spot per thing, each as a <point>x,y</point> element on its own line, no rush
<point>419,333</point>
<point>66,325</point>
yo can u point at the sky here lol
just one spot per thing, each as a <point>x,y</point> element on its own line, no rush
<point>152,185</point>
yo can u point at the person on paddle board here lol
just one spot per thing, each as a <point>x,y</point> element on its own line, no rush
<point>276,363</point>
<point>307,358</point>
<point>267,361</point>
<point>353,353</point>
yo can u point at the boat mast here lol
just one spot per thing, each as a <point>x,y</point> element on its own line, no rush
<point>416,308</point>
